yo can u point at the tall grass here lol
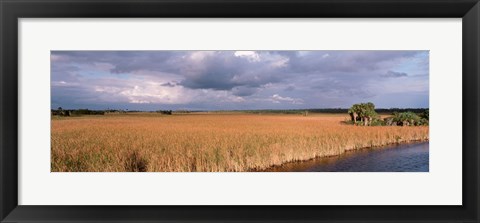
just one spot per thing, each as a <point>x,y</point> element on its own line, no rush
<point>209,142</point>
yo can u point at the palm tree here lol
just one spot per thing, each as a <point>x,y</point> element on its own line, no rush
<point>365,111</point>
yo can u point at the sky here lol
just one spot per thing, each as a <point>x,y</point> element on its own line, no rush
<point>238,80</point>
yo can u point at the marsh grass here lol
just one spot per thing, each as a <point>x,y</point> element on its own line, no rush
<point>209,142</point>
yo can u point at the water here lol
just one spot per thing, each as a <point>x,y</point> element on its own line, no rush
<point>398,158</point>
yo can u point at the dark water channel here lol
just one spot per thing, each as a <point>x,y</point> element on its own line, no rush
<point>394,158</point>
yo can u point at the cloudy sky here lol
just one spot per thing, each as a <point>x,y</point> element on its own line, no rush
<point>223,80</point>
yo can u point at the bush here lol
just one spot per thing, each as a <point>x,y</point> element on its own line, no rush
<point>425,115</point>
<point>406,118</point>
<point>377,122</point>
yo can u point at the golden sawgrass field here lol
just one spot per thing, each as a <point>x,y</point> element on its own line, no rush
<point>208,142</point>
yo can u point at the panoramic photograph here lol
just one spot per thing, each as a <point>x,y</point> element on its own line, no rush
<point>240,111</point>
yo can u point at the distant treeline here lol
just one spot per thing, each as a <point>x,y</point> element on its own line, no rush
<point>165,112</point>
<point>333,110</point>
<point>78,112</point>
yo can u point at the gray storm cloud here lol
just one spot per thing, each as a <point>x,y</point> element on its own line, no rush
<point>234,79</point>
<point>394,74</point>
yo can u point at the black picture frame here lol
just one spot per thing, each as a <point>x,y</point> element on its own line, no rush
<point>12,10</point>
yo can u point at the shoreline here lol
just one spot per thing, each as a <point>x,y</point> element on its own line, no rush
<point>345,151</point>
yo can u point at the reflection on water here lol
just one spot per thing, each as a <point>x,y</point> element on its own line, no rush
<point>396,158</point>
